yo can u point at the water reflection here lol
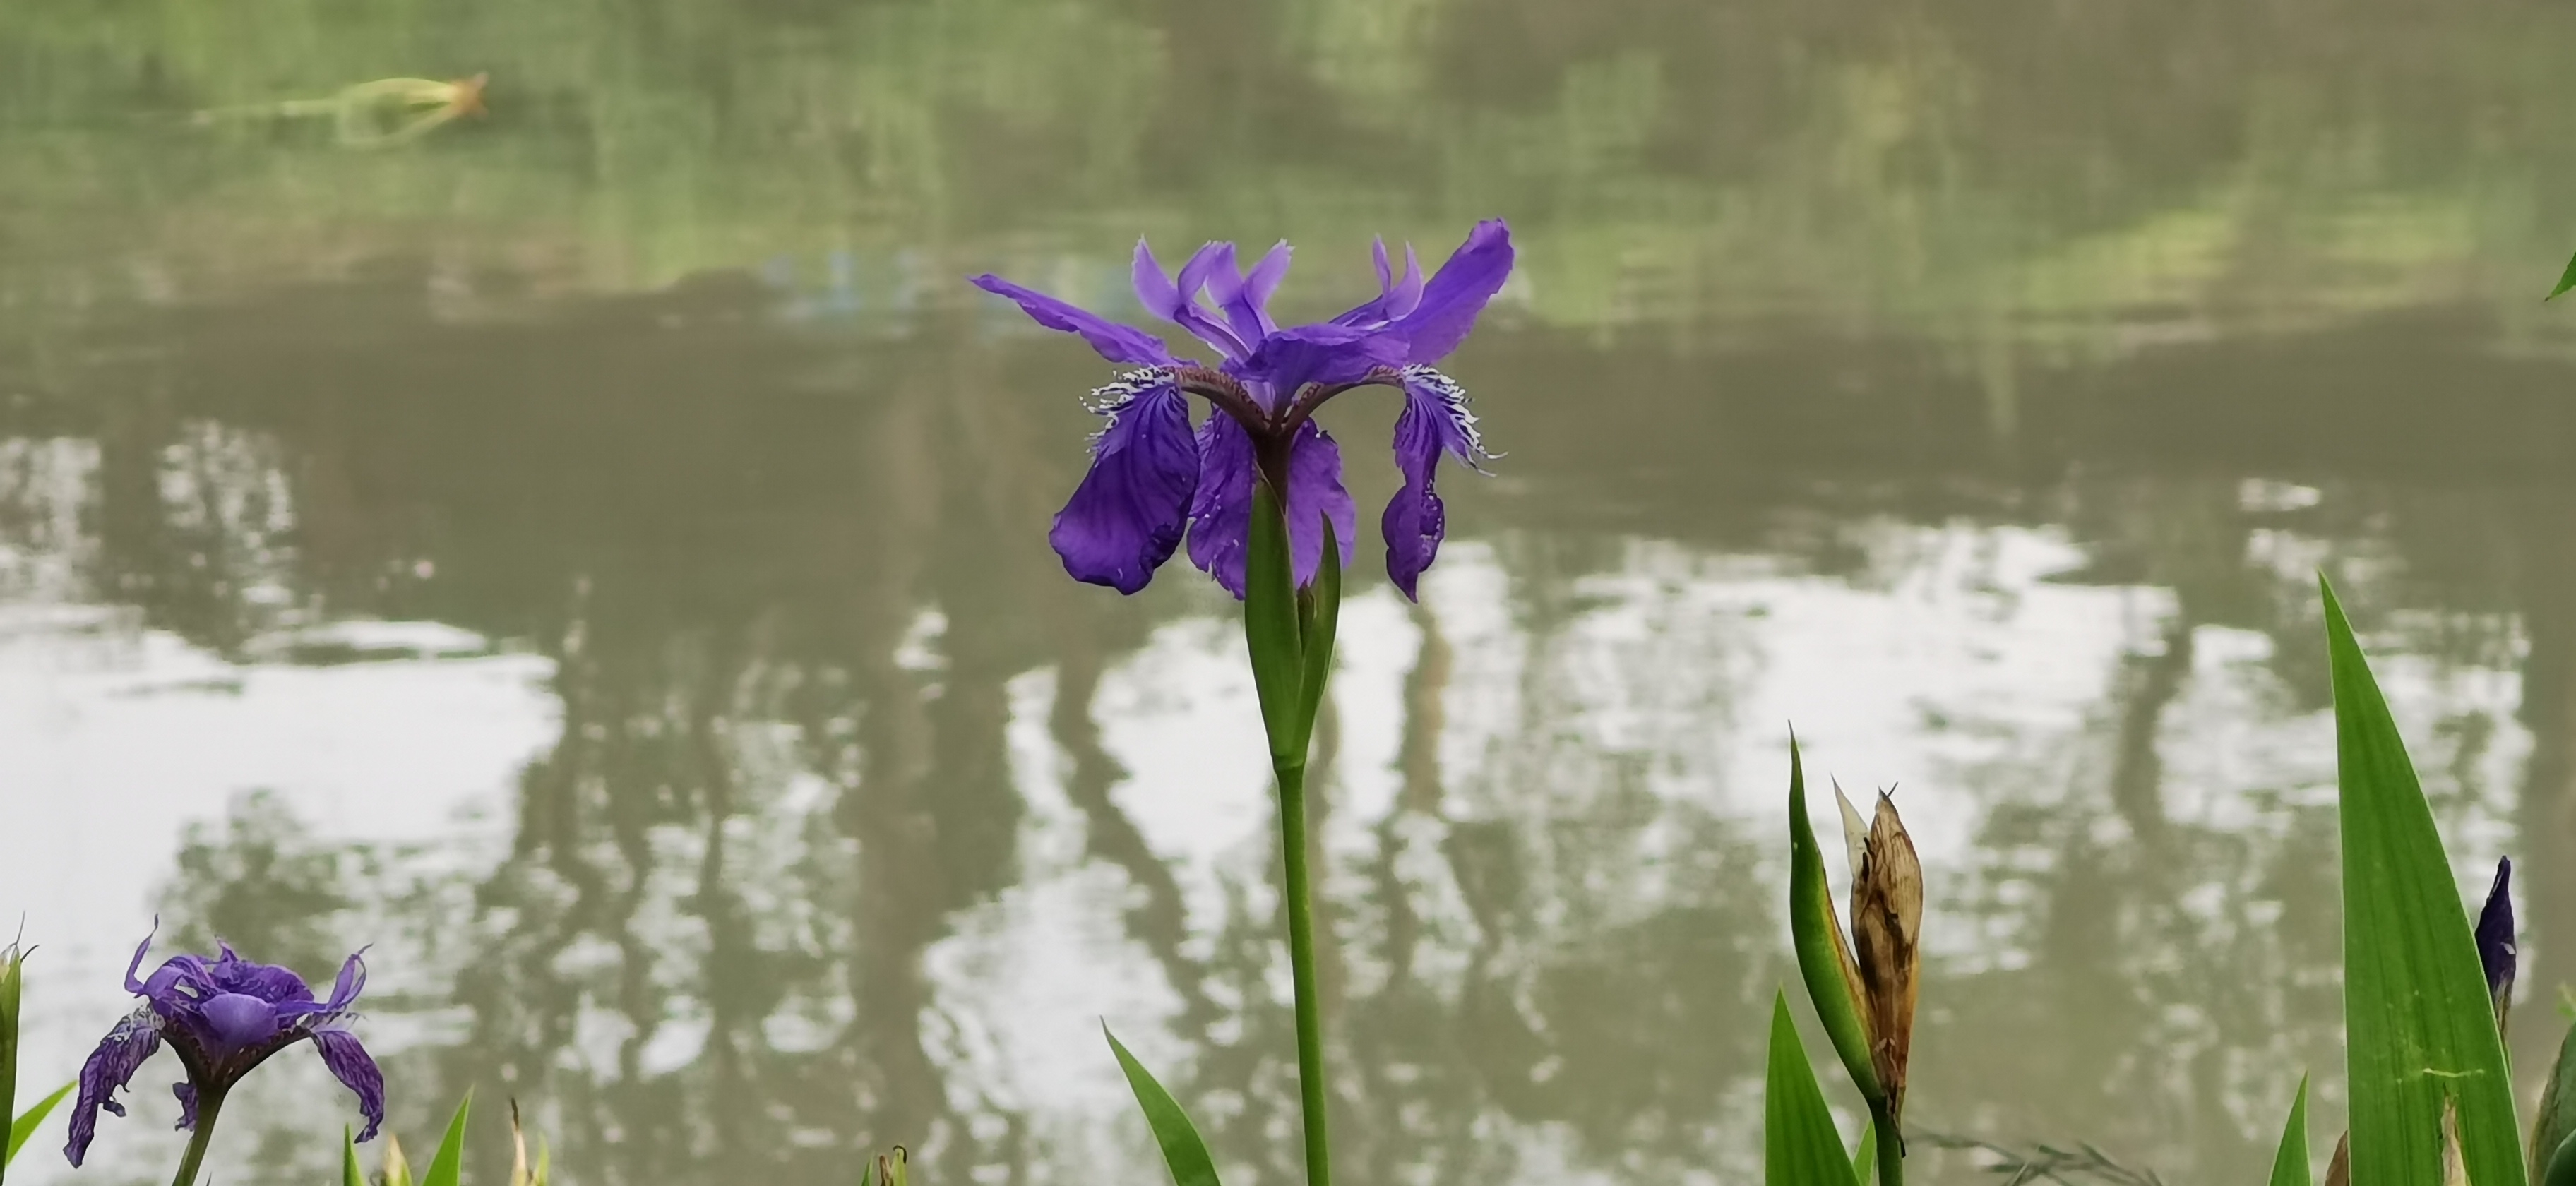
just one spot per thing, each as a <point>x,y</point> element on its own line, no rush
<point>597,555</point>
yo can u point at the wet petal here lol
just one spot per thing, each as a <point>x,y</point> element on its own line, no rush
<point>351,1065</point>
<point>1115,342</point>
<point>1315,493</point>
<point>1457,293</point>
<point>1126,517</point>
<point>1221,514</point>
<point>1435,420</point>
<point>1221,510</point>
<point>109,1069</point>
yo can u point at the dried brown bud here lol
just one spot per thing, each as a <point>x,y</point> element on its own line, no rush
<point>1887,924</point>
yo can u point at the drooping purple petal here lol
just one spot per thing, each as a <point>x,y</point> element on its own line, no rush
<point>1221,514</point>
<point>2496,949</point>
<point>1325,353</point>
<point>187,1093</point>
<point>1315,493</point>
<point>1435,420</point>
<point>1115,342</point>
<point>1127,516</point>
<point>109,1069</point>
<point>1457,293</point>
<point>351,1065</point>
<point>1246,301</point>
<point>1221,510</point>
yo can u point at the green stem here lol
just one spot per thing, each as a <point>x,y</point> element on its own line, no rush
<point>1301,970</point>
<point>1891,1147</point>
<point>209,1104</point>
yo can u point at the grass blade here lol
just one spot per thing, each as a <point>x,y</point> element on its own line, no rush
<point>1270,628</point>
<point>1824,961</point>
<point>13,964</point>
<point>2420,1028</point>
<point>2566,280</point>
<point>25,1126</point>
<point>1865,1158</point>
<point>449,1162</point>
<point>351,1173</point>
<point>1799,1144</point>
<point>1183,1151</point>
<point>2555,1119</point>
<point>2290,1161</point>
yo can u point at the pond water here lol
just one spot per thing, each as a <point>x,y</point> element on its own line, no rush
<point>594,552</point>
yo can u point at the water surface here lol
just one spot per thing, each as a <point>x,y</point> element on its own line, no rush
<point>595,554</point>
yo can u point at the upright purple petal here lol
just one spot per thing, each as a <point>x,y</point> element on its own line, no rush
<point>1221,515</point>
<point>1435,420</point>
<point>1246,302</point>
<point>1457,293</point>
<point>1115,342</point>
<point>351,1065</point>
<point>1153,289</point>
<point>109,1069</point>
<point>1221,510</point>
<point>1211,268</point>
<point>352,981</point>
<point>2495,937</point>
<point>1127,515</point>
<point>1395,297</point>
<point>268,982</point>
<point>1315,493</point>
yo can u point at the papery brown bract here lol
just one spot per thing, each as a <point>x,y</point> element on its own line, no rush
<point>1887,925</point>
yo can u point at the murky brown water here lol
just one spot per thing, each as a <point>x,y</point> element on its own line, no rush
<point>596,554</point>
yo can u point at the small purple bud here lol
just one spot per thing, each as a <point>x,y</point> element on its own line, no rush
<point>2495,938</point>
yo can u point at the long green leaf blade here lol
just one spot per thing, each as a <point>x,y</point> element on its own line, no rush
<point>1322,618</point>
<point>1270,628</point>
<point>1818,939</point>
<point>1183,1151</point>
<point>2290,1161</point>
<point>13,963</point>
<point>2554,1121</point>
<point>449,1162</point>
<point>2566,280</point>
<point>25,1126</point>
<point>1865,1158</point>
<point>2420,1028</point>
<point>1799,1144</point>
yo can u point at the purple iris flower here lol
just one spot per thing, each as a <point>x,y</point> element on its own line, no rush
<point>1152,477</point>
<point>223,1017</point>
<point>2495,936</point>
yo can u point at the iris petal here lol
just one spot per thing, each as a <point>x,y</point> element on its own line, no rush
<point>1457,293</point>
<point>1115,342</point>
<point>1127,516</point>
<point>1211,269</point>
<point>1435,420</point>
<point>1153,289</point>
<point>2495,932</point>
<point>1246,303</point>
<point>109,1069</point>
<point>351,1065</point>
<point>1221,515</point>
<point>1326,353</point>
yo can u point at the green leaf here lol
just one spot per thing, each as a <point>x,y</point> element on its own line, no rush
<point>1270,628</point>
<point>2562,1165</point>
<point>397,1168</point>
<point>2419,1026</point>
<point>449,1162</point>
<point>2554,1121</point>
<point>1183,1151</point>
<point>351,1173</point>
<point>1799,1144</point>
<point>13,963</point>
<point>1865,1158</point>
<point>25,1126</point>
<point>1321,612</point>
<point>2290,1161</point>
<point>1818,939</point>
<point>2566,280</point>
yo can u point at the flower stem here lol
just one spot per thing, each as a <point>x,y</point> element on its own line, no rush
<point>209,1104</point>
<point>1301,969</point>
<point>1891,1147</point>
